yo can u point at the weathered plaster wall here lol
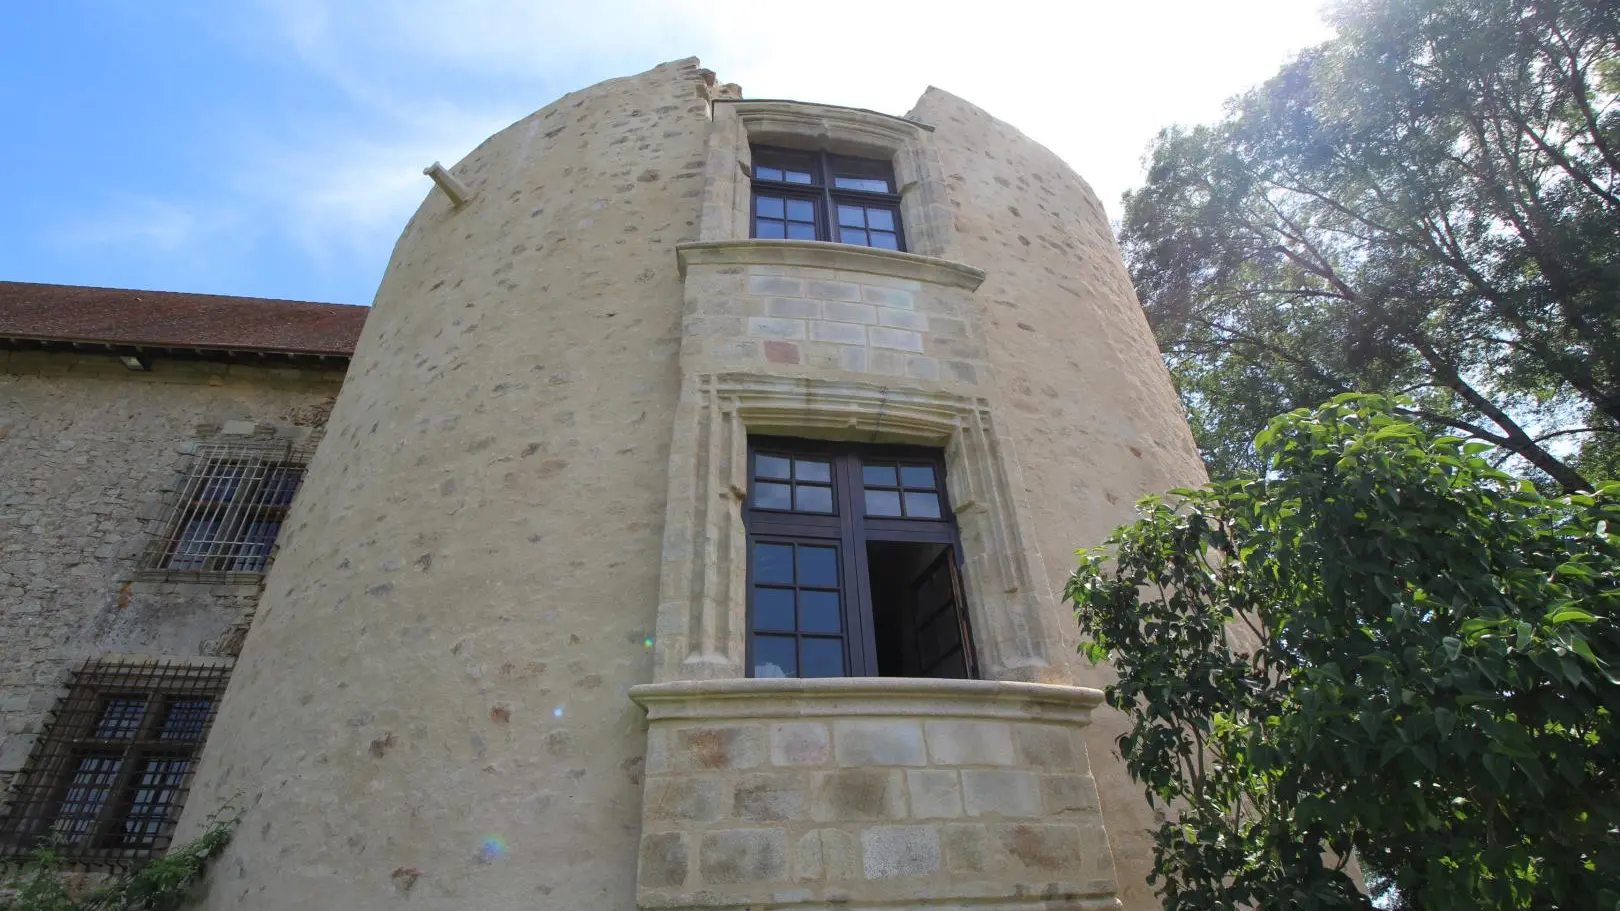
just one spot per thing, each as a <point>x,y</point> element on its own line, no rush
<point>432,705</point>
<point>88,452</point>
<point>1086,397</point>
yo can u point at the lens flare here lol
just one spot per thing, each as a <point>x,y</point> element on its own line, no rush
<point>491,849</point>
<point>647,642</point>
<point>557,712</point>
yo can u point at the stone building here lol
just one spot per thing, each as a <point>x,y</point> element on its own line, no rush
<point>688,533</point>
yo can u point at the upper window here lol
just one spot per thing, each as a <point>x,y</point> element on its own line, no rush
<point>227,511</point>
<point>852,563</point>
<point>107,779</point>
<point>817,196</point>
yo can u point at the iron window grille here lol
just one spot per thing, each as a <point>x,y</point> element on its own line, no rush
<point>226,512</point>
<point>822,518</point>
<point>818,196</point>
<point>107,779</point>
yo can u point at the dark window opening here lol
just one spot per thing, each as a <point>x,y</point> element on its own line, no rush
<point>817,196</point>
<point>918,620</point>
<point>852,563</point>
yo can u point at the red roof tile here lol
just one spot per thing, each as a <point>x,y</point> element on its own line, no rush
<point>166,319</point>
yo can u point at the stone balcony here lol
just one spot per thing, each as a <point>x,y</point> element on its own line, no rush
<point>870,792</point>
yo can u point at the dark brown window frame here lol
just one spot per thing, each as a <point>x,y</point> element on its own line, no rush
<point>849,528</point>
<point>82,727</point>
<point>821,192</point>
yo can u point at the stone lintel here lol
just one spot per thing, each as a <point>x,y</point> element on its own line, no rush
<point>827,255</point>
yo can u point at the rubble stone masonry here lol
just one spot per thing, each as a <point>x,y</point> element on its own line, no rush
<point>89,451</point>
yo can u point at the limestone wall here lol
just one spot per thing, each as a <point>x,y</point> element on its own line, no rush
<point>89,451</point>
<point>432,705</point>
<point>858,792</point>
<point>1083,391</point>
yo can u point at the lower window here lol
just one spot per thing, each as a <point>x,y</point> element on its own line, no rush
<point>108,777</point>
<point>853,563</point>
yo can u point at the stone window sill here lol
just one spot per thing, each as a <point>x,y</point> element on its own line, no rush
<point>823,254</point>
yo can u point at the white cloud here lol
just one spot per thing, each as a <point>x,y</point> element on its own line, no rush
<point>130,220</point>
<point>413,81</point>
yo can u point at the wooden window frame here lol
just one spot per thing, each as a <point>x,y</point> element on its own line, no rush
<point>850,528</point>
<point>823,167</point>
<point>74,733</point>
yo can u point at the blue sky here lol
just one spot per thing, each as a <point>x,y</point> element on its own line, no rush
<point>274,148</point>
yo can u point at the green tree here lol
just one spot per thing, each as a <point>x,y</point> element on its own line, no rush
<point>38,882</point>
<point>1428,206</point>
<point>1384,648</point>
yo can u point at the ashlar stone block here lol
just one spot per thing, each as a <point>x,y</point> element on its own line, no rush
<point>1040,848</point>
<point>718,747</point>
<point>663,860</point>
<point>743,855</point>
<point>952,742</point>
<point>1047,747</point>
<point>879,742</point>
<point>839,333</point>
<point>775,327</point>
<point>898,339</point>
<point>935,793</point>
<point>858,795</point>
<point>800,744</point>
<point>770,797</point>
<point>1001,793</point>
<point>684,798</point>
<point>890,851</point>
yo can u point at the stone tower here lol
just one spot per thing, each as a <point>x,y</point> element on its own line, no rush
<point>677,363</point>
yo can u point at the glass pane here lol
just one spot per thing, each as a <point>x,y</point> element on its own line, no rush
<point>87,793</point>
<point>773,608</point>
<point>818,566</point>
<point>854,216</point>
<point>818,612</point>
<point>154,796</point>
<point>881,219</point>
<point>878,475</point>
<point>917,476</point>
<point>922,505</point>
<point>885,240</point>
<point>851,236</point>
<point>768,173</point>
<point>770,466</point>
<point>120,719</point>
<point>801,231</point>
<point>882,503</point>
<point>767,207</point>
<point>800,210</point>
<point>768,229</point>
<point>813,499</point>
<point>773,496</point>
<point>186,720</point>
<point>823,657</point>
<point>812,470</point>
<point>869,184</point>
<point>773,563</point>
<point>773,657</point>
<point>798,177</point>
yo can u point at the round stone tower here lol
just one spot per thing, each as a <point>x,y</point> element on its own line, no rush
<point>515,649</point>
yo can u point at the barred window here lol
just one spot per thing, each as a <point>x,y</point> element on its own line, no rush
<point>227,510</point>
<point>107,779</point>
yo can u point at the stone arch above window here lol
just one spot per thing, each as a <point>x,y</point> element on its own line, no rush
<point>738,125</point>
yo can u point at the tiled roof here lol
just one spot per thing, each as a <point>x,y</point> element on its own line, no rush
<point>166,319</point>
